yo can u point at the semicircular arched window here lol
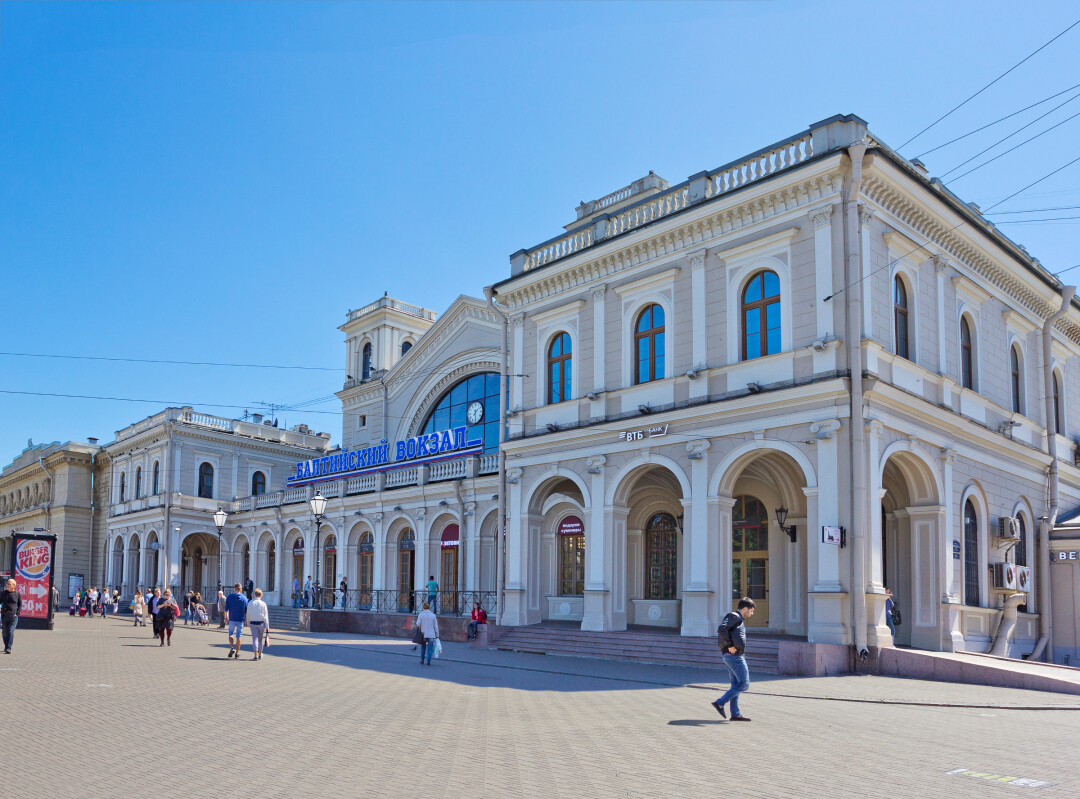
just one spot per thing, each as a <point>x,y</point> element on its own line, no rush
<point>365,363</point>
<point>258,484</point>
<point>559,364</point>
<point>649,341</point>
<point>900,317</point>
<point>661,556</point>
<point>472,403</point>
<point>761,316</point>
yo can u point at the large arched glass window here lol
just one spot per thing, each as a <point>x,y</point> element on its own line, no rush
<point>245,556</point>
<point>365,363</point>
<point>157,475</point>
<point>474,402</point>
<point>1059,417</point>
<point>967,355</point>
<point>365,569</point>
<point>559,363</point>
<point>971,555</point>
<point>258,483</point>
<point>405,347</point>
<point>572,562</point>
<point>900,317</point>
<point>206,480</point>
<point>138,482</point>
<point>661,556</point>
<point>1020,554</point>
<point>761,316</point>
<point>649,345</point>
<point>123,485</point>
<point>271,567</point>
<point>750,550</point>
<point>1016,378</point>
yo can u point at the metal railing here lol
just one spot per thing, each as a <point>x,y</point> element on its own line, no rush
<point>447,603</point>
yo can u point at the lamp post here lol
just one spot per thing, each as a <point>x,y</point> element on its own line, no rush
<point>318,508</point>
<point>219,522</point>
<point>781,517</point>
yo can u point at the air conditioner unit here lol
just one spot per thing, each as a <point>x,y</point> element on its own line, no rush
<point>1009,527</point>
<point>1023,578</point>
<point>1004,576</point>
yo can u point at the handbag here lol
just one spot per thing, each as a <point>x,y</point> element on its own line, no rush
<point>418,636</point>
<point>438,647</point>
<point>895,615</point>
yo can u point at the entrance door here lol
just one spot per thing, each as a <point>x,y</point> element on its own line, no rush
<point>298,562</point>
<point>406,572</point>
<point>448,581</point>
<point>329,570</point>
<point>750,557</point>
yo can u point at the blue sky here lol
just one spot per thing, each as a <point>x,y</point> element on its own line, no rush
<point>221,182</point>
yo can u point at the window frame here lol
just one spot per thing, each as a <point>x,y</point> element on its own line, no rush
<point>565,362</point>
<point>1059,402</point>
<point>201,481</point>
<point>366,361</point>
<point>901,318</point>
<point>571,574</point>
<point>661,587</point>
<point>762,306</point>
<point>649,335</point>
<point>1016,378</point>
<point>138,482</point>
<point>157,474</point>
<point>259,473</point>
<point>967,353</point>
<point>971,546</point>
<point>123,485</point>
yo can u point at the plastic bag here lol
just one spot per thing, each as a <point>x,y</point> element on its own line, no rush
<point>438,647</point>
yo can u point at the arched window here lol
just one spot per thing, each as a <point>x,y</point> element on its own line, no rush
<point>329,566</point>
<point>661,556</point>
<point>206,480</point>
<point>138,482</point>
<point>474,402</point>
<point>900,316</point>
<point>258,484</point>
<point>157,475</point>
<point>406,570</point>
<point>405,346</point>
<point>649,345</point>
<point>1020,554</point>
<point>559,363</point>
<point>967,357</point>
<point>271,567</point>
<point>1016,378</point>
<point>571,560</point>
<point>749,549</point>
<point>365,364</point>
<point>1059,417</point>
<point>761,316</point>
<point>245,554</point>
<point>971,555</point>
<point>365,569</point>
<point>123,485</point>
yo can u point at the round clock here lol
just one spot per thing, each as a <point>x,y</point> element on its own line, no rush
<point>475,413</point>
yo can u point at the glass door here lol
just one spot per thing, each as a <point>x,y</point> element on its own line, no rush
<point>750,557</point>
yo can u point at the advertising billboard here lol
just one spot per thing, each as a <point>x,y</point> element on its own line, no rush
<point>32,558</point>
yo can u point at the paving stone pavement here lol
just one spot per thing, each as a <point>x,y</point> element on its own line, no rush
<point>346,716</point>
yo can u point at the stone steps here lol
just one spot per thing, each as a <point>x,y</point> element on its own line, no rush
<point>635,645</point>
<point>284,618</point>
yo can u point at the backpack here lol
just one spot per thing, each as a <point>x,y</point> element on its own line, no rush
<point>723,634</point>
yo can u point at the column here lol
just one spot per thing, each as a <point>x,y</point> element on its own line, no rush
<point>874,492</point>
<point>472,551</point>
<point>952,637</point>
<point>824,360</point>
<point>517,366</point>
<point>599,300</point>
<point>866,215</point>
<point>697,595</point>
<point>599,532</point>
<point>827,609</point>
<point>423,551</point>
<point>284,591</point>
<point>699,320</point>
<point>720,508</point>
<point>379,557</point>
<point>940,265</point>
<point>514,612</point>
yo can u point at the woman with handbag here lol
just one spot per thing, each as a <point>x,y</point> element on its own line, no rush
<point>167,613</point>
<point>428,625</point>
<point>138,608</point>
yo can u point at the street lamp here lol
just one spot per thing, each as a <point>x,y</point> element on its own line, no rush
<point>781,517</point>
<point>219,521</point>
<point>318,507</point>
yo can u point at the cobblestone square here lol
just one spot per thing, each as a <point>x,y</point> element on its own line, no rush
<point>97,708</point>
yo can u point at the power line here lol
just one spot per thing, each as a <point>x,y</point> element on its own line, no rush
<point>987,86</point>
<point>1039,210</point>
<point>168,403</point>
<point>1030,221</point>
<point>999,155</point>
<point>996,121</point>
<point>175,363</point>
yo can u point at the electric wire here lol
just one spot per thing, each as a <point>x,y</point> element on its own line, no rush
<point>996,121</point>
<point>1033,221</point>
<point>1038,210</point>
<point>987,86</point>
<point>1014,147</point>
<point>163,361</point>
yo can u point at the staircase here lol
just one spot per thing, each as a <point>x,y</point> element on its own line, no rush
<point>636,644</point>
<point>284,618</point>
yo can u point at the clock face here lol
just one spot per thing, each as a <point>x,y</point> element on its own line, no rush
<point>475,413</point>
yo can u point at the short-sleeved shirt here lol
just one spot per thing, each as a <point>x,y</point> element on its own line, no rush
<point>432,587</point>
<point>236,606</point>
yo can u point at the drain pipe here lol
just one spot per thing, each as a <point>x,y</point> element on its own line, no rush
<point>1046,523</point>
<point>858,447</point>
<point>489,294</point>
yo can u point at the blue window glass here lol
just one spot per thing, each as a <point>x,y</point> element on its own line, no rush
<point>560,354</point>
<point>649,344</point>
<point>453,410</point>
<point>761,316</point>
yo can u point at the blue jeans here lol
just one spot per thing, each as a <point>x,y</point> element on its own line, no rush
<point>296,600</point>
<point>429,647</point>
<point>432,600</point>
<point>9,624</point>
<point>740,681</point>
<point>891,624</point>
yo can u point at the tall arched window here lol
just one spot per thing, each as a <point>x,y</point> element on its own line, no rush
<point>967,355</point>
<point>971,555</point>
<point>157,475</point>
<point>138,482</point>
<point>245,554</point>
<point>365,569</point>
<point>649,345</point>
<point>661,556</point>
<point>123,485</point>
<point>474,402</point>
<point>900,317</point>
<point>258,484</point>
<point>1016,378</point>
<point>1020,554</point>
<point>559,363</point>
<point>571,560</point>
<point>405,346</point>
<point>1059,417</point>
<point>365,363</point>
<point>406,570</point>
<point>271,567</point>
<point>761,316</point>
<point>206,480</point>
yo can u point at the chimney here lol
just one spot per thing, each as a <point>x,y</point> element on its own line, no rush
<point>92,441</point>
<point>257,418</point>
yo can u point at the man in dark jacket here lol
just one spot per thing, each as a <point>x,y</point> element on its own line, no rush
<point>10,608</point>
<point>731,635</point>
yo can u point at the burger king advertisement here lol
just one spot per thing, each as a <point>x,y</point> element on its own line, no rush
<point>32,570</point>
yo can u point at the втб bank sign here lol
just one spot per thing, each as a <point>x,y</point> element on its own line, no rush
<point>426,448</point>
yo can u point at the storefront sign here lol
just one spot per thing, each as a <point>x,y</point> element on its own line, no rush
<point>832,535</point>
<point>451,536</point>
<point>1065,555</point>
<point>426,448</point>
<point>31,567</point>
<point>639,435</point>
<point>571,525</point>
<point>955,549</point>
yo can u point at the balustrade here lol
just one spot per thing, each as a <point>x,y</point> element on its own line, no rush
<point>401,477</point>
<point>447,470</point>
<point>359,485</point>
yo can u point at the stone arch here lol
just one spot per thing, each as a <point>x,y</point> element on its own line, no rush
<point>533,497</point>
<point>625,478</point>
<point>918,469</point>
<point>722,481</point>
<point>442,378</point>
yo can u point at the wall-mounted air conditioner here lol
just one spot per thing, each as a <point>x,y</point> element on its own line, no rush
<point>1004,576</point>
<point>1023,578</point>
<point>1009,528</point>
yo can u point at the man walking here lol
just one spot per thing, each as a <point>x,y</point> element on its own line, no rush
<point>249,588</point>
<point>432,593</point>
<point>189,607</point>
<point>295,591</point>
<point>307,592</point>
<point>236,606</point>
<point>344,591</point>
<point>731,636</point>
<point>10,608</point>
<point>55,599</point>
<point>221,609</point>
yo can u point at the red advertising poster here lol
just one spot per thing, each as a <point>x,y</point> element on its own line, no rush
<point>32,560</point>
<point>571,525</point>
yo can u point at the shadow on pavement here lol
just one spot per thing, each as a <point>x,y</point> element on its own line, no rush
<point>694,722</point>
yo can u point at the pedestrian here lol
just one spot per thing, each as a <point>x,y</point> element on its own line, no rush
<point>10,608</point>
<point>891,613</point>
<point>258,619</point>
<point>344,586</point>
<point>55,599</point>
<point>116,602</point>
<point>432,593</point>
<point>221,609</point>
<point>189,608</point>
<point>138,608</point>
<point>155,600</point>
<point>89,601</point>
<point>479,616</point>
<point>429,626</point>
<point>249,587</point>
<point>295,591</point>
<point>307,592</point>
<point>167,613</point>
<point>731,637</point>
<point>236,606</point>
